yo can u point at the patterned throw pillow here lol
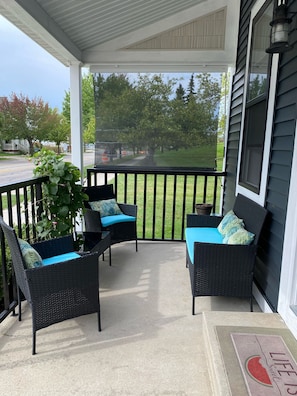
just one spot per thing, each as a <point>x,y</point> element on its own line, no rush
<point>231,229</point>
<point>106,207</point>
<point>31,256</point>
<point>229,223</point>
<point>240,237</point>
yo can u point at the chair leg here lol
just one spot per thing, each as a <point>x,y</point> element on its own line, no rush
<point>99,320</point>
<point>251,304</point>
<point>136,245</point>
<point>109,256</point>
<point>34,343</point>
<point>193,306</point>
<point>19,304</point>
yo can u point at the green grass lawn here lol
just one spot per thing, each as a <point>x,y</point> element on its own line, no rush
<point>202,157</point>
<point>153,208</point>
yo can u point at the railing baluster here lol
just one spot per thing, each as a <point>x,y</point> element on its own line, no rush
<point>173,206</point>
<point>144,206</point>
<point>154,206</point>
<point>164,206</point>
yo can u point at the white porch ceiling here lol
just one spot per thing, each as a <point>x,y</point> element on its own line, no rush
<point>132,35</point>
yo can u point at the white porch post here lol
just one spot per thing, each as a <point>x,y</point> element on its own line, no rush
<point>76,116</point>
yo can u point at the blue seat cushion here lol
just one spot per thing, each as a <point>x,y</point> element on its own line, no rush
<point>60,258</point>
<point>201,234</point>
<point>122,218</point>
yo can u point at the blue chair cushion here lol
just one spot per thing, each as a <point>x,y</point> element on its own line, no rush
<point>60,258</point>
<point>121,218</point>
<point>201,234</point>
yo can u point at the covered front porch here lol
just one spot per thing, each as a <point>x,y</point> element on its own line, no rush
<point>150,343</point>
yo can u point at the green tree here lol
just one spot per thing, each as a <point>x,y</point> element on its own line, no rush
<point>27,119</point>
<point>89,132</point>
<point>88,108</point>
<point>190,89</point>
<point>61,133</point>
<point>180,93</point>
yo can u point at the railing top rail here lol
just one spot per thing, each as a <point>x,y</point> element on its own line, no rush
<point>155,170</point>
<point>24,183</point>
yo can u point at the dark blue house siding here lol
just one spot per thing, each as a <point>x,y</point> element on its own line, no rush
<point>268,266</point>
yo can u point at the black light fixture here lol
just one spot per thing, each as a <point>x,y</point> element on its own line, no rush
<point>279,31</point>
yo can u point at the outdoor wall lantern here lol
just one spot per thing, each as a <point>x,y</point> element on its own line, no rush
<point>279,31</point>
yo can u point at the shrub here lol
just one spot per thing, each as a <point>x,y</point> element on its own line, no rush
<point>63,198</point>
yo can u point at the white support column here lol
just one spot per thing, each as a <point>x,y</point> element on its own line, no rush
<point>76,116</point>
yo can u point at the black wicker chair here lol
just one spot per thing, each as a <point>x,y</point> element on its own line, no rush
<point>222,269</point>
<point>119,232</point>
<point>55,292</point>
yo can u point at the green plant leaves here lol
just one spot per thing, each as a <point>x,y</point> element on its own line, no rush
<point>63,197</point>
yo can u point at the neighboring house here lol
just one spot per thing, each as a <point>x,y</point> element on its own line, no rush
<point>261,154</point>
<point>195,35</point>
<point>15,145</point>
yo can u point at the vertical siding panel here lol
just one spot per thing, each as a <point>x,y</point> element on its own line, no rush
<point>236,106</point>
<point>268,266</point>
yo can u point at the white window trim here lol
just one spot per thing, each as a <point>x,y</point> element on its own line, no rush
<point>259,198</point>
<point>287,290</point>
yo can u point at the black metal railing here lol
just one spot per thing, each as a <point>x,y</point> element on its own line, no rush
<point>20,207</point>
<point>164,196</point>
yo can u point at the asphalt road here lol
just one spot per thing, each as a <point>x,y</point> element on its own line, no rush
<point>18,168</point>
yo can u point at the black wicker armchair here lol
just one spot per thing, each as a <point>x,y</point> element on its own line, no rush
<point>122,227</point>
<point>219,269</point>
<point>55,292</point>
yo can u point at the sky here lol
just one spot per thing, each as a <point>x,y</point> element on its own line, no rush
<point>26,68</point>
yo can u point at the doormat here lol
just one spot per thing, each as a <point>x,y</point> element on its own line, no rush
<point>259,361</point>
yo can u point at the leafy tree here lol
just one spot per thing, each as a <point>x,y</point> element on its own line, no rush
<point>196,118</point>
<point>27,119</point>
<point>145,114</point>
<point>180,93</point>
<point>61,133</point>
<point>89,132</point>
<point>208,96</point>
<point>88,108</point>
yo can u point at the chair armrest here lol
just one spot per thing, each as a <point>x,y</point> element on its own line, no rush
<point>80,273</point>
<point>194,220</point>
<point>128,209</point>
<point>55,246</point>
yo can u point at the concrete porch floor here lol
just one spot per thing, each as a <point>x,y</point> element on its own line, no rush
<point>150,343</point>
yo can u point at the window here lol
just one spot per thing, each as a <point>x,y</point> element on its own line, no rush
<point>257,101</point>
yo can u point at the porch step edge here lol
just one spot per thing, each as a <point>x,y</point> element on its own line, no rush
<point>214,354</point>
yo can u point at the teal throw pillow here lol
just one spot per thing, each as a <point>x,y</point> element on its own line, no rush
<point>31,256</point>
<point>228,222</point>
<point>231,228</point>
<point>240,237</point>
<point>106,207</point>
